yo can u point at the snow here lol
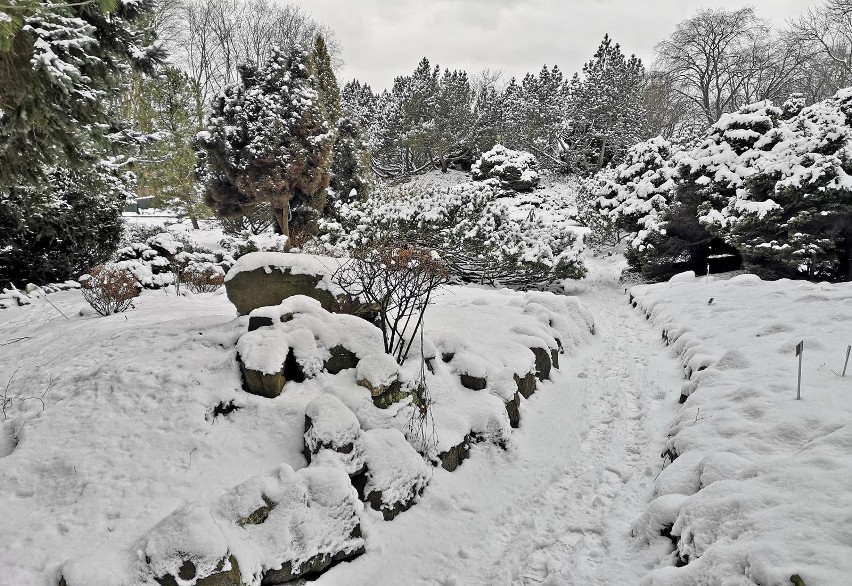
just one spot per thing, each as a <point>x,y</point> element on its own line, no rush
<point>765,474</point>
<point>315,512</point>
<point>380,370</point>
<point>146,384</point>
<point>393,467</point>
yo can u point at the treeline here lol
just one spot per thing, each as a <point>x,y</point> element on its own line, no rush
<point>102,101</point>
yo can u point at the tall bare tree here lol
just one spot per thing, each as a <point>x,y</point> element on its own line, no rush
<point>713,59</point>
<point>827,31</point>
<point>216,37</point>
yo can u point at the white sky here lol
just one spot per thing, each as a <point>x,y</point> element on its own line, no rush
<point>385,38</point>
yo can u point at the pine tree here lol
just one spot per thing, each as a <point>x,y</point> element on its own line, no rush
<point>605,109</point>
<point>267,140</point>
<point>59,75</point>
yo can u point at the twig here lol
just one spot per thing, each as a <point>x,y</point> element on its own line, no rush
<point>13,340</point>
<point>44,294</point>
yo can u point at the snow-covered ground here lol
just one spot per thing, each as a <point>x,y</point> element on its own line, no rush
<point>761,486</point>
<point>557,507</point>
<point>759,489</point>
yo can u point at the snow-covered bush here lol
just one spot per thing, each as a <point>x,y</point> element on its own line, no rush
<point>110,288</point>
<point>629,200</point>
<point>246,242</point>
<point>69,223</point>
<point>169,259</point>
<point>513,170</point>
<point>476,232</point>
<point>791,215</point>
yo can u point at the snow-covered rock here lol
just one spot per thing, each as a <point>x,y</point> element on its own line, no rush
<point>300,339</point>
<point>379,373</point>
<point>262,279</point>
<point>396,474</point>
<point>269,529</point>
<point>331,425</point>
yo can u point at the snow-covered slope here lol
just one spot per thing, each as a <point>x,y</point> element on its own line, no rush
<point>767,478</point>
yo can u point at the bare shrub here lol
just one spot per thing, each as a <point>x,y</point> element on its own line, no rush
<point>399,283</point>
<point>203,279</point>
<point>109,289</point>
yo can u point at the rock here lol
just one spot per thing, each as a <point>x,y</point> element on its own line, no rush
<point>543,363</point>
<point>395,474</point>
<point>341,359</point>
<point>379,373</point>
<point>262,279</point>
<point>513,409</point>
<point>261,321</point>
<point>474,383</point>
<point>260,383</point>
<point>330,425</point>
<point>311,568</point>
<point>452,458</point>
<point>221,577</point>
<point>526,384</point>
<point>265,516</point>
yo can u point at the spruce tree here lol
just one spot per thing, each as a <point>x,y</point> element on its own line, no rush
<point>268,141</point>
<point>349,168</point>
<point>793,216</point>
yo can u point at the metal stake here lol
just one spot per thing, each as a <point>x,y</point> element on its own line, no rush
<point>800,348</point>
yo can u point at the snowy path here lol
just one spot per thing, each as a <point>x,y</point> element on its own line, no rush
<point>557,508</point>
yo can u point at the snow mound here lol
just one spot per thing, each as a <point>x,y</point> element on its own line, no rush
<point>765,474</point>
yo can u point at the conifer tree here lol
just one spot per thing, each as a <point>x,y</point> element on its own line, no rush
<point>326,81</point>
<point>349,168</point>
<point>605,109</point>
<point>59,75</point>
<point>268,141</point>
<point>793,215</point>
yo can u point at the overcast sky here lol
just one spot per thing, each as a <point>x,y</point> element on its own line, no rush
<point>385,38</point>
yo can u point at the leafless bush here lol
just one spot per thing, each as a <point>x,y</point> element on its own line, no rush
<point>202,279</point>
<point>109,289</point>
<point>399,283</point>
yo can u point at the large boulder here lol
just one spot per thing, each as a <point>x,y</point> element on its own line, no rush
<point>261,279</point>
<point>253,531</point>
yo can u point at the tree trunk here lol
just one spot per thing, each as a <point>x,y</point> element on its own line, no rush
<point>602,155</point>
<point>194,221</point>
<point>443,163</point>
<point>281,210</point>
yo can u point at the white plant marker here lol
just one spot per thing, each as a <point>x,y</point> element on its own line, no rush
<point>845,364</point>
<point>800,348</point>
